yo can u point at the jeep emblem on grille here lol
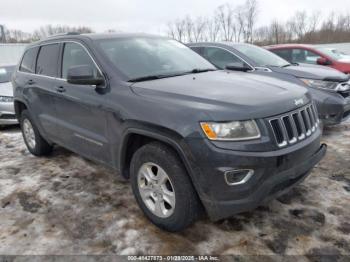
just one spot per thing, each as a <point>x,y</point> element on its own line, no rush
<point>299,102</point>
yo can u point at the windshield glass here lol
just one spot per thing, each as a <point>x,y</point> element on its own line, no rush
<point>6,73</point>
<point>333,53</point>
<point>139,57</point>
<point>261,56</point>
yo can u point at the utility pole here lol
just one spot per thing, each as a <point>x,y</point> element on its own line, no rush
<point>2,34</point>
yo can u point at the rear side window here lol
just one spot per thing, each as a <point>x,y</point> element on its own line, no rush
<point>304,56</point>
<point>75,55</point>
<point>197,49</point>
<point>221,58</point>
<point>28,61</point>
<point>284,53</point>
<point>48,60</point>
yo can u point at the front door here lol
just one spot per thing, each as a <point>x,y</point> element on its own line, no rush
<point>81,118</point>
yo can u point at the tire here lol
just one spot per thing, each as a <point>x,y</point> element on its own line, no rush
<point>158,158</point>
<point>35,143</point>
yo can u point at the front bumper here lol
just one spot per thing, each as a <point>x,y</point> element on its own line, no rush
<point>7,114</point>
<point>274,172</point>
<point>334,109</point>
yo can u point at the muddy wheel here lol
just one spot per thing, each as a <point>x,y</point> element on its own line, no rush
<point>35,143</point>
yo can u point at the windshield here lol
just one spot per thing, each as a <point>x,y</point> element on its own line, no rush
<point>139,57</point>
<point>6,73</point>
<point>333,53</point>
<point>261,56</point>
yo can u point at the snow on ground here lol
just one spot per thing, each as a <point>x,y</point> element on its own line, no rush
<point>64,204</point>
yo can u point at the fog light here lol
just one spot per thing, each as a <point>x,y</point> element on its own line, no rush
<point>238,176</point>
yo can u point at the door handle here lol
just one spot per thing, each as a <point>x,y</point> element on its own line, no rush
<point>60,89</point>
<point>30,82</point>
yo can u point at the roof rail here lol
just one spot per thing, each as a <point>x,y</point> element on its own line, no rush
<point>62,34</point>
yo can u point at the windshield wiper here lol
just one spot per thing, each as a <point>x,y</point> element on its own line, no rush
<point>201,70</point>
<point>155,77</point>
<point>146,78</point>
<point>291,64</point>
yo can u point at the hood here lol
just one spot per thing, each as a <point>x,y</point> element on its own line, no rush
<point>312,72</point>
<point>6,89</point>
<point>255,95</point>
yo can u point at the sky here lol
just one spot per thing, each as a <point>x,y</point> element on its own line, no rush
<point>149,16</point>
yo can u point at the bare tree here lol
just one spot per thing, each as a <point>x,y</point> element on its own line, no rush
<point>171,30</point>
<point>189,28</point>
<point>199,27</point>
<point>180,27</point>
<point>213,29</point>
<point>240,16</point>
<point>224,15</point>
<point>251,7</point>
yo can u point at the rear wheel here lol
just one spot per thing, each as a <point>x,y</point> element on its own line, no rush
<point>35,143</point>
<point>162,187</point>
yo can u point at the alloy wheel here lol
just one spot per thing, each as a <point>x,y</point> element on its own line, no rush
<point>156,190</point>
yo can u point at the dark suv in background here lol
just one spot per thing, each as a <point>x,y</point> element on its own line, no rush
<point>187,135</point>
<point>329,88</point>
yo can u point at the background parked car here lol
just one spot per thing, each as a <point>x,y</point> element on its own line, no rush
<point>330,88</point>
<point>7,111</point>
<point>309,54</point>
<point>9,57</point>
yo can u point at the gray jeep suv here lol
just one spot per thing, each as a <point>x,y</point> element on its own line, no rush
<point>190,138</point>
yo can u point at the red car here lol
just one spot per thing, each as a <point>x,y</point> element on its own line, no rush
<point>310,54</point>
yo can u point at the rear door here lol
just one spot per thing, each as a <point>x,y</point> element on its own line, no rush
<point>81,118</point>
<point>36,77</point>
<point>45,82</point>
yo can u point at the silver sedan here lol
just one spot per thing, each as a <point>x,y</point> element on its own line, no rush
<point>7,111</point>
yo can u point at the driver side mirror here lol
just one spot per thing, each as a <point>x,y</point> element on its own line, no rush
<point>323,61</point>
<point>234,67</point>
<point>83,75</point>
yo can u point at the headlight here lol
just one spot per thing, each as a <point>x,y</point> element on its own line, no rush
<point>6,99</point>
<point>328,85</point>
<point>231,131</point>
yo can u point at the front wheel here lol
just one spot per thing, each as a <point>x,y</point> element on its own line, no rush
<point>162,187</point>
<point>35,143</point>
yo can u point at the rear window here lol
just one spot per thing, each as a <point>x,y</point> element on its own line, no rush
<point>28,61</point>
<point>47,62</point>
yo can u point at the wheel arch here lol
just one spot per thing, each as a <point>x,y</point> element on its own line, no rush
<point>135,137</point>
<point>19,107</point>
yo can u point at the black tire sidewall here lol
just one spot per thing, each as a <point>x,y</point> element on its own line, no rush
<point>41,146</point>
<point>185,196</point>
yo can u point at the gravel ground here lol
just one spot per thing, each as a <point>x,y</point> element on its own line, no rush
<point>64,204</point>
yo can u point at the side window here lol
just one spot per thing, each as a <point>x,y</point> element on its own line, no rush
<point>47,61</point>
<point>221,58</point>
<point>197,49</point>
<point>28,61</point>
<point>304,56</point>
<point>284,53</point>
<point>311,57</point>
<point>75,55</point>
